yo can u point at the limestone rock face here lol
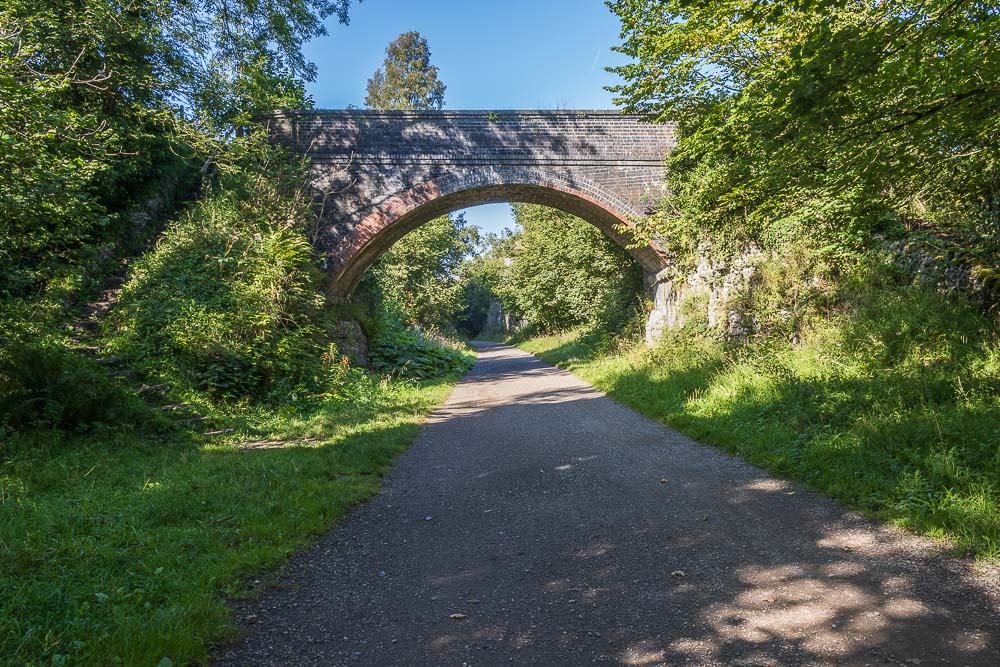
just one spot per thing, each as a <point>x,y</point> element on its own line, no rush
<point>710,291</point>
<point>351,341</point>
<point>499,321</point>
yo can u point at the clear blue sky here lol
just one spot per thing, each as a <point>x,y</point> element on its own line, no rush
<point>509,54</point>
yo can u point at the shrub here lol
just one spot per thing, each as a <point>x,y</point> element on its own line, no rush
<point>230,302</point>
<point>48,386</point>
<point>409,353</point>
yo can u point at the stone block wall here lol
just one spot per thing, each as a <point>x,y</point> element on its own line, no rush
<point>381,174</point>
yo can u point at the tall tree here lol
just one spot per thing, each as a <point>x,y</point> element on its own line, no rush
<point>418,276</point>
<point>406,81</point>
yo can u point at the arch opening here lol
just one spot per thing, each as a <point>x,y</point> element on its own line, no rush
<point>395,217</point>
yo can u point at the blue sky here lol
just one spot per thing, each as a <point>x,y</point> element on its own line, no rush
<point>510,54</point>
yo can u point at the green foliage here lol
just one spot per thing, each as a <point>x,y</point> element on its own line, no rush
<point>479,279</point>
<point>122,550</point>
<point>886,398</point>
<point>230,301</point>
<point>559,272</point>
<point>818,122</point>
<point>74,99</point>
<point>418,278</point>
<point>50,387</point>
<point>406,353</point>
<point>234,58</point>
<point>406,81</point>
<point>97,97</point>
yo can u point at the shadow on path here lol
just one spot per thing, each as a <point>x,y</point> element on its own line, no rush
<point>566,529</point>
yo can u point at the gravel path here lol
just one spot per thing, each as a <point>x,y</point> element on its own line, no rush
<point>537,522</point>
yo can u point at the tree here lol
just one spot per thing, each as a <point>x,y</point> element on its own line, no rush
<point>818,121</point>
<point>239,57</point>
<point>419,275</point>
<point>560,271</point>
<point>98,98</point>
<point>406,81</point>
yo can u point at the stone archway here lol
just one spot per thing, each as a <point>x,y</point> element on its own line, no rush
<point>394,218</point>
<point>381,174</point>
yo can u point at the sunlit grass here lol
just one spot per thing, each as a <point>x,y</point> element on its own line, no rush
<point>117,549</point>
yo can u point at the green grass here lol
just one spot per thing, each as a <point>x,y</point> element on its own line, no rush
<point>118,548</point>
<point>890,406</point>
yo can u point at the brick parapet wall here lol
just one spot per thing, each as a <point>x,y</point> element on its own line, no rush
<point>382,173</point>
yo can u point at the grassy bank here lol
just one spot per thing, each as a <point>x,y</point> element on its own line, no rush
<point>889,405</point>
<point>120,548</point>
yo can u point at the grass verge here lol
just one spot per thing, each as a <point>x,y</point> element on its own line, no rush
<point>891,408</point>
<point>119,548</point>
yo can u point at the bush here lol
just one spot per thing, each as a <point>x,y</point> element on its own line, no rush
<point>230,302</point>
<point>47,386</point>
<point>409,353</point>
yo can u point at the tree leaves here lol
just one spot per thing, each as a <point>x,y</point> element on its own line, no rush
<point>817,119</point>
<point>406,81</point>
<point>99,99</point>
<point>560,271</point>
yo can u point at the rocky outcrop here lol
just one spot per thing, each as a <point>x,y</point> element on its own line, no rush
<point>499,322</point>
<point>711,291</point>
<point>351,341</point>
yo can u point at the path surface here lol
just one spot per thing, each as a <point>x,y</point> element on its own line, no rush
<point>533,505</point>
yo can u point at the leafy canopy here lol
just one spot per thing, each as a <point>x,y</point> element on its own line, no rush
<point>406,81</point>
<point>817,120</point>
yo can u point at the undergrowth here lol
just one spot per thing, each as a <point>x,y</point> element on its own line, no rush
<point>49,387</point>
<point>407,352</point>
<point>230,303</point>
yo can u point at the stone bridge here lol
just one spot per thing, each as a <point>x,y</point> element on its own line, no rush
<point>381,174</point>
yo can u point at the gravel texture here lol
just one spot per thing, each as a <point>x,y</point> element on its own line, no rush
<point>537,522</point>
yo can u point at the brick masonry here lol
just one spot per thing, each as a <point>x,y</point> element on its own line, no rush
<point>381,174</point>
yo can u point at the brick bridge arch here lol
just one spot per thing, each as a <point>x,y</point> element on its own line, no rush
<point>382,174</point>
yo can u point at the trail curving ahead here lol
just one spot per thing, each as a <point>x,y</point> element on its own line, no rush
<point>537,522</point>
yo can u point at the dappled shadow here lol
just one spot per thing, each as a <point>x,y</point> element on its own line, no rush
<point>883,446</point>
<point>562,528</point>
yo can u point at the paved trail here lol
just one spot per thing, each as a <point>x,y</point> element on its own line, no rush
<point>533,506</point>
